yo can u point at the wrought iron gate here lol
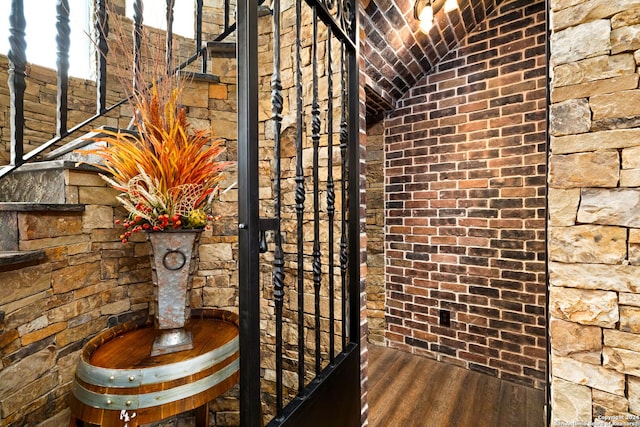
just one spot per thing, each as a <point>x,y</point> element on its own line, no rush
<point>305,343</point>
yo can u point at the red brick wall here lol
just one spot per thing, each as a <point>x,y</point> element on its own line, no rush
<point>465,203</point>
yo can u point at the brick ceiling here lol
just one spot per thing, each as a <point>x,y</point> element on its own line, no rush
<point>398,54</point>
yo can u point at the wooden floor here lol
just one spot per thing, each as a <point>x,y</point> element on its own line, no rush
<point>407,390</point>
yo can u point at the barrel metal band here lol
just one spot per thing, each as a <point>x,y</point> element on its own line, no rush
<point>124,378</point>
<point>118,402</point>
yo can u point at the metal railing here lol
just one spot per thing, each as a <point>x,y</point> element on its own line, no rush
<point>18,64</point>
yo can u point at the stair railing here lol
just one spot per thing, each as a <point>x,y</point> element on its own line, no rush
<point>18,63</point>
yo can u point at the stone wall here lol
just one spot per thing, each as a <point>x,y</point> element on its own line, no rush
<point>89,281</point>
<point>594,180</point>
<point>465,203</point>
<point>375,232</point>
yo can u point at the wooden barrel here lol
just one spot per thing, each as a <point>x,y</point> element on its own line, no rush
<point>117,378</point>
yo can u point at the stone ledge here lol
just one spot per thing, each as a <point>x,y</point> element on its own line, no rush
<point>19,257</point>
<point>40,207</point>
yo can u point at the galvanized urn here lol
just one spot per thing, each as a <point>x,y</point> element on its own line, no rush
<point>172,263</point>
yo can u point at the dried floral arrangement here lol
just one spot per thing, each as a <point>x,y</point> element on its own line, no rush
<point>168,174</point>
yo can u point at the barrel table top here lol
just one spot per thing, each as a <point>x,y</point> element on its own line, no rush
<point>116,377</point>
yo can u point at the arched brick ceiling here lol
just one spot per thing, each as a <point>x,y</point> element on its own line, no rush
<point>398,54</point>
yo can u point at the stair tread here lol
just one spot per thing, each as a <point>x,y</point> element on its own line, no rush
<point>40,207</point>
<point>19,257</point>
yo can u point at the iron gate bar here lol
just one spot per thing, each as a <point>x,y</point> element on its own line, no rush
<point>102,29</point>
<point>315,137</point>
<point>300,199</point>
<point>331,197</point>
<point>344,139</point>
<point>248,218</point>
<point>278,261</point>
<point>169,40</point>
<point>62,61</point>
<point>137,41</point>
<point>17,85</point>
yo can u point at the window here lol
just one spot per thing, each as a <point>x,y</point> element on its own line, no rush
<point>154,14</point>
<point>41,34</point>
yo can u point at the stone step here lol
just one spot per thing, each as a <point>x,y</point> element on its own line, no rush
<point>10,253</point>
<point>221,49</point>
<point>41,182</point>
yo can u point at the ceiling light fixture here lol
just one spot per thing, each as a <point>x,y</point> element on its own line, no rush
<point>425,10</point>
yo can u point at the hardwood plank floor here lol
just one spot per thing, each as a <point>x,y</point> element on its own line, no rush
<point>407,390</point>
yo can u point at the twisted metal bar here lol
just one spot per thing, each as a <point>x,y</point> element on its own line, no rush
<point>344,138</point>
<point>300,199</point>
<point>331,196</point>
<point>62,61</point>
<point>102,31</point>
<point>17,85</point>
<point>169,46</point>
<point>137,41</point>
<point>278,262</point>
<point>315,137</point>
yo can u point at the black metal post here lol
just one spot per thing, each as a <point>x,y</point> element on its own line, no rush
<point>353,56</point>
<point>315,138</point>
<point>331,197</point>
<point>278,261</point>
<point>102,31</point>
<point>62,50</point>
<point>248,214</point>
<point>17,85</point>
<point>169,44</point>
<point>300,198</point>
<point>344,139</point>
<point>137,41</point>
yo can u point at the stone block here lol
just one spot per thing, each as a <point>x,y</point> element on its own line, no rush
<point>75,277</point>
<point>622,360</point>
<point>96,216</point>
<point>29,393</point>
<point>629,299</point>
<point>630,178</point>
<point>618,278</point>
<point>593,69</point>
<point>625,39</point>
<point>593,141</point>
<point>609,106</point>
<point>98,196</point>
<point>594,376</point>
<point>25,282</point>
<point>580,42</point>
<point>570,117</point>
<point>631,158</point>
<point>587,307</point>
<point>634,394</point>
<point>589,11</point>
<point>569,171</point>
<point>48,224</point>
<point>588,244</point>
<point>618,206</point>
<point>630,319</point>
<point>570,402</point>
<point>609,401</point>
<point>218,91</point>
<point>583,343</point>
<point>563,206</point>
<point>26,370</point>
<point>216,252</point>
<point>584,90</point>
<point>219,297</point>
<point>629,16</point>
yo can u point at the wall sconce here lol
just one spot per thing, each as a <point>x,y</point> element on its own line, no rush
<point>424,11</point>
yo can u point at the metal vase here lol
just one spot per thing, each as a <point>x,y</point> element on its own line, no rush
<point>172,265</point>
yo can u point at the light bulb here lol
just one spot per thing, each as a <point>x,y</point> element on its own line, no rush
<point>450,5</point>
<point>426,19</point>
